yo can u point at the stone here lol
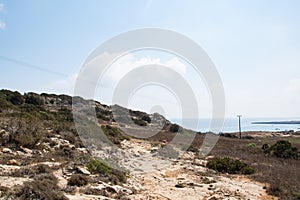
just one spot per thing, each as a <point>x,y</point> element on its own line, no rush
<point>13,162</point>
<point>7,150</point>
<point>26,150</point>
<point>199,162</point>
<point>120,189</point>
<point>83,170</point>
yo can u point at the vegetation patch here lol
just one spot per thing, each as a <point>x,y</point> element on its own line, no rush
<point>31,171</point>
<point>43,187</point>
<point>114,134</point>
<point>281,149</point>
<point>24,132</point>
<point>174,128</point>
<point>139,121</point>
<point>98,167</point>
<point>78,180</point>
<point>230,166</point>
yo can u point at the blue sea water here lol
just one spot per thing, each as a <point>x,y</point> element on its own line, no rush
<point>231,124</point>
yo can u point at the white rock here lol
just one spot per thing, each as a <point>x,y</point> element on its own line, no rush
<point>200,162</point>
<point>83,170</point>
<point>26,150</point>
<point>7,150</point>
<point>120,189</point>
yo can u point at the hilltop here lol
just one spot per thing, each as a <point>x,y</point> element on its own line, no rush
<point>43,157</point>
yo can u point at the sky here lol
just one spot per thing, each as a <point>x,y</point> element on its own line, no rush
<point>254,45</point>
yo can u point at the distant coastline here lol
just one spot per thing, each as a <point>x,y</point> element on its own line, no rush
<point>277,122</point>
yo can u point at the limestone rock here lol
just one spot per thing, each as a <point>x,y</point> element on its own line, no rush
<point>7,150</point>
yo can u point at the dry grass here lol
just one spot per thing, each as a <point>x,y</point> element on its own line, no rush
<point>283,175</point>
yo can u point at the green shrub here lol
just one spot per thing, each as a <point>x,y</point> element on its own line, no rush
<point>247,170</point>
<point>251,145</point>
<point>66,99</point>
<point>65,114</point>
<point>114,134</point>
<point>34,99</point>
<point>78,180</point>
<point>139,122</point>
<point>228,165</point>
<point>97,167</point>
<point>174,128</point>
<point>281,149</point>
<point>103,114</point>
<point>15,98</point>
<point>146,118</point>
<point>265,148</point>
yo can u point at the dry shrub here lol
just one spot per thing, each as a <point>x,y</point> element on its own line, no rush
<point>78,180</point>
<point>268,169</point>
<point>31,171</point>
<point>25,132</point>
<point>42,187</point>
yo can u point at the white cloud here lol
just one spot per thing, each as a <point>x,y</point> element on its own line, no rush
<point>2,25</point>
<point>64,86</point>
<point>129,62</point>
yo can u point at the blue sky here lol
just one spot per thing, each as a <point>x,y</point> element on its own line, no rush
<point>255,45</point>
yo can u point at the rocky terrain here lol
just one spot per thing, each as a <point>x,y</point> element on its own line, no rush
<point>42,155</point>
<point>183,178</point>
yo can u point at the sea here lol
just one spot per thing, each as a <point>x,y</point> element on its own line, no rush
<point>232,124</point>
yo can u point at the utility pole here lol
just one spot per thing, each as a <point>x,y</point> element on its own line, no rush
<point>240,128</point>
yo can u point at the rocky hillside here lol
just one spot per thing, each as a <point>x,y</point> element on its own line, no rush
<point>43,157</point>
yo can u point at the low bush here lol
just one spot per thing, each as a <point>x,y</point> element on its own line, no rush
<point>42,187</point>
<point>114,175</point>
<point>114,134</point>
<point>251,145</point>
<point>15,98</point>
<point>230,166</point>
<point>26,133</point>
<point>248,137</point>
<point>31,171</point>
<point>229,135</point>
<point>78,180</point>
<point>146,118</point>
<point>96,166</point>
<point>281,149</point>
<point>139,121</point>
<point>34,99</point>
<point>94,191</point>
<point>174,128</point>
